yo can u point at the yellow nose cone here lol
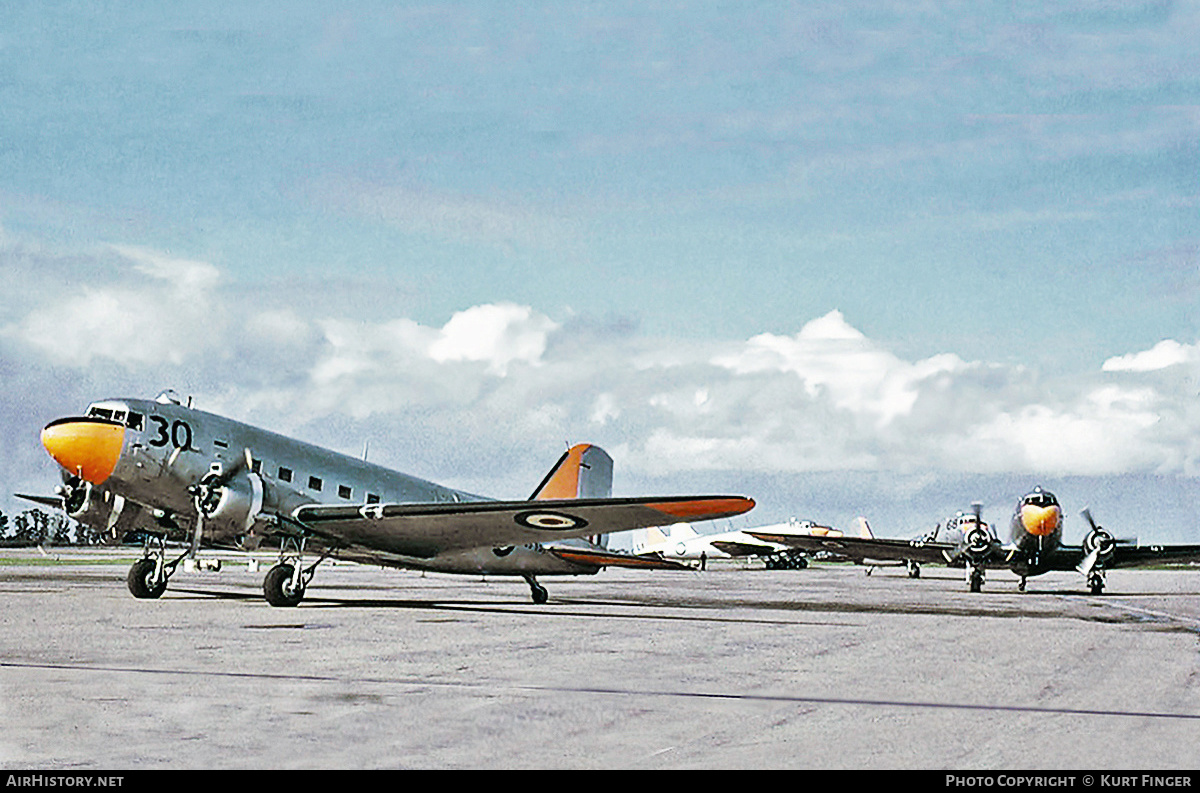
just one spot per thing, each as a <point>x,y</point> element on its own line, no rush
<point>87,448</point>
<point>1040,521</point>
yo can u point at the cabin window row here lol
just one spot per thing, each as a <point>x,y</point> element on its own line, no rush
<point>317,484</point>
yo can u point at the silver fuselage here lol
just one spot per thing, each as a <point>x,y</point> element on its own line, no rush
<point>167,448</point>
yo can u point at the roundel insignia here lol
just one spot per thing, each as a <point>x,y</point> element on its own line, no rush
<point>549,521</point>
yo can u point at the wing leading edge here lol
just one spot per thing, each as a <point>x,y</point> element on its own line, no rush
<point>426,530</point>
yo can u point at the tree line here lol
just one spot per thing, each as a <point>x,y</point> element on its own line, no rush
<point>36,526</point>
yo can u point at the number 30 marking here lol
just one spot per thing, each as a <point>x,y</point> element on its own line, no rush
<point>180,434</point>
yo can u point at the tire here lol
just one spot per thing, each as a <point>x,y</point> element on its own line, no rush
<point>141,580</point>
<point>276,587</point>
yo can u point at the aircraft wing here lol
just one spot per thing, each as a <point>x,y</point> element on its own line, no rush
<point>1134,555</point>
<point>734,548</point>
<point>49,501</point>
<point>602,558</point>
<point>1125,554</point>
<point>428,529</point>
<point>859,549</point>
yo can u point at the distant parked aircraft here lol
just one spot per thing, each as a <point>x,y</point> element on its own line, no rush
<point>683,542</point>
<point>1036,546</point>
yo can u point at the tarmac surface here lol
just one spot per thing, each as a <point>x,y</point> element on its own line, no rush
<point>730,668</point>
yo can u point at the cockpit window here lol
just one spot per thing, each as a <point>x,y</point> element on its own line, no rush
<point>118,414</point>
<point>1041,499</point>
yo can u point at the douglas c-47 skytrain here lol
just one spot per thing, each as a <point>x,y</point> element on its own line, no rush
<point>172,473</point>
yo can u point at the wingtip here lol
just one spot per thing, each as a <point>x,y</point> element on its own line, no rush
<point>707,508</point>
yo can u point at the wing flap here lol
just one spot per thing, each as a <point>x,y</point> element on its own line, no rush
<point>426,530</point>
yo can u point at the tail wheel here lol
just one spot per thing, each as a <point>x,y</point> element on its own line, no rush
<point>278,589</point>
<point>143,582</point>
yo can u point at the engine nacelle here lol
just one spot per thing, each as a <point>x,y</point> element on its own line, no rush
<point>102,511</point>
<point>1100,539</point>
<point>231,508</point>
<point>977,543</point>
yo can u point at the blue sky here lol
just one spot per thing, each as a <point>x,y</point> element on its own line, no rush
<point>751,238</point>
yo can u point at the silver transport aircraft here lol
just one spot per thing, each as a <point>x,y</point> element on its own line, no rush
<point>174,474</point>
<point>1035,547</point>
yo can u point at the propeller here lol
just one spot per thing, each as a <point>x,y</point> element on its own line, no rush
<point>1098,543</point>
<point>71,496</point>
<point>206,493</point>
<point>74,493</point>
<point>978,541</point>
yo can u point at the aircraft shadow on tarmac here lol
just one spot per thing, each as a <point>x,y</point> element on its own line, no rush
<point>650,607</point>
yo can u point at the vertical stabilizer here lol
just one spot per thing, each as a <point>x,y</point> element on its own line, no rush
<point>584,471</point>
<point>864,528</point>
<point>682,531</point>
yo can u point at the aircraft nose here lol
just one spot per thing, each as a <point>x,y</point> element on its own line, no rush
<point>86,447</point>
<point>1040,521</point>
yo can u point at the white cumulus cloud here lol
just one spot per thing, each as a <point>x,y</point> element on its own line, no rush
<point>1166,353</point>
<point>829,355</point>
<point>497,334</point>
<point>165,316</point>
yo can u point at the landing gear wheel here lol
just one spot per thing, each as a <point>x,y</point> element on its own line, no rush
<point>1096,584</point>
<point>536,591</point>
<point>278,589</point>
<point>976,581</point>
<point>142,582</point>
<point>914,570</point>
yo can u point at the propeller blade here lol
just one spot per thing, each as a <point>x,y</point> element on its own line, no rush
<point>243,463</point>
<point>195,546</point>
<point>1087,515</point>
<point>1089,561</point>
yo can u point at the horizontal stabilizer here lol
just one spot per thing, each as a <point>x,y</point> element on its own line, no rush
<point>651,561</point>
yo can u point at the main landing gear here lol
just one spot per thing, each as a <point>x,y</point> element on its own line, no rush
<point>286,582</point>
<point>975,579</point>
<point>148,576</point>
<point>786,561</point>
<point>1095,582</point>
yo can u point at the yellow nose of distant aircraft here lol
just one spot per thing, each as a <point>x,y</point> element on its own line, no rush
<point>1040,521</point>
<point>87,448</point>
